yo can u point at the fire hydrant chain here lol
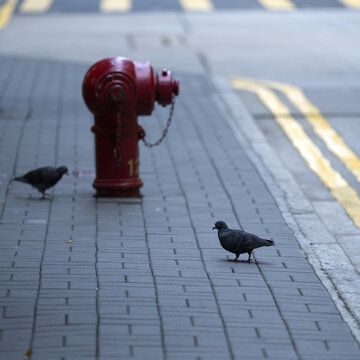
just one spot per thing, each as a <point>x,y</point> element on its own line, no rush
<point>158,142</point>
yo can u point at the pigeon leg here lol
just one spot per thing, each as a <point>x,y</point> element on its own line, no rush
<point>44,194</point>
<point>235,258</point>
<point>249,252</point>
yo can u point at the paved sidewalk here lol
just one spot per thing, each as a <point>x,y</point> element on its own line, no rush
<point>145,278</point>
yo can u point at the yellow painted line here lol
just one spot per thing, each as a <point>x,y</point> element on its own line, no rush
<point>281,5</point>
<point>351,3</point>
<point>115,5</point>
<point>321,127</point>
<point>338,186</point>
<point>197,5</point>
<point>6,12</point>
<point>35,6</point>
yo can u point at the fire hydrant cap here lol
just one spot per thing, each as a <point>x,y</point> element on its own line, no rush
<point>176,87</point>
<point>117,94</point>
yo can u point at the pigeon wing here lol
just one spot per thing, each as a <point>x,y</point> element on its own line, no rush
<point>38,178</point>
<point>232,240</point>
<point>250,242</point>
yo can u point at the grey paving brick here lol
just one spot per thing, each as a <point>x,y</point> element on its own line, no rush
<point>49,341</point>
<point>12,335</point>
<point>280,352</point>
<point>18,312</point>
<point>298,324</point>
<point>83,284</point>
<point>54,285</point>
<point>115,351</point>
<point>12,354</point>
<point>113,330</point>
<point>81,351</point>
<point>51,301</point>
<point>78,318</point>
<point>69,330</point>
<point>150,352</point>
<point>51,320</point>
<point>22,293</point>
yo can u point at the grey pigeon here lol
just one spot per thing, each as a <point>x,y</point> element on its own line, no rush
<point>43,178</point>
<point>239,241</point>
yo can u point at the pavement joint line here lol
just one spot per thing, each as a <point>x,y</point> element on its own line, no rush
<point>346,196</point>
<point>97,305</point>
<point>320,125</point>
<point>164,350</point>
<point>36,305</point>
<point>199,133</point>
<point>6,12</point>
<point>255,144</point>
<point>222,319</point>
<point>51,201</point>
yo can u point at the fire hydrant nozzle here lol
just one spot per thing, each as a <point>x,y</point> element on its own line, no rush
<point>117,91</point>
<point>166,87</point>
<point>176,87</point>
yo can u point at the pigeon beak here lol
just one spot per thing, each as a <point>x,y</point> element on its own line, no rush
<point>67,173</point>
<point>213,228</point>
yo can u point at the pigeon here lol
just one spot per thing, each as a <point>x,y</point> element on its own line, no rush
<point>43,178</point>
<point>239,241</point>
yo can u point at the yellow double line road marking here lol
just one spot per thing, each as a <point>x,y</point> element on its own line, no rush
<point>35,6</point>
<point>115,5</point>
<point>351,3</point>
<point>207,5</point>
<point>197,5</point>
<point>277,4</point>
<point>334,181</point>
<point>321,127</point>
<point>6,12</point>
<point>41,6</point>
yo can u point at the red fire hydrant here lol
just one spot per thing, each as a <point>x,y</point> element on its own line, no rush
<point>116,91</point>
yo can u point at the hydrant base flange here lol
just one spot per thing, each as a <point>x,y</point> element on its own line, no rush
<point>129,193</point>
<point>120,189</point>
